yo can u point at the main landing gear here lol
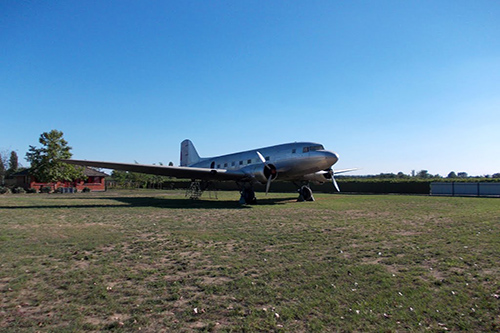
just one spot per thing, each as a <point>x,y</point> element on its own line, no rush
<point>305,194</point>
<point>247,196</point>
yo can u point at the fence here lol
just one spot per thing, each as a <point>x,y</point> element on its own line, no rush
<point>465,189</point>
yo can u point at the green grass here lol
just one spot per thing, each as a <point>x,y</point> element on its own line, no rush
<point>153,260</point>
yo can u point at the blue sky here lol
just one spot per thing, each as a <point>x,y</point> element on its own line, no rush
<point>389,85</point>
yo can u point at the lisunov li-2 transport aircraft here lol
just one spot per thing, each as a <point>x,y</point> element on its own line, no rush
<point>299,162</point>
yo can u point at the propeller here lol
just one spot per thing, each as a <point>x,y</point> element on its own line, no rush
<point>339,171</point>
<point>272,171</point>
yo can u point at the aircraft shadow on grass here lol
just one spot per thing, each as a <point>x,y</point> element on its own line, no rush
<point>131,202</point>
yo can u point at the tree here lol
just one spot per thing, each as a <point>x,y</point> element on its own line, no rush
<point>423,174</point>
<point>402,175</point>
<point>45,161</point>
<point>121,177</point>
<point>386,175</point>
<point>13,164</point>
<point>495,175</point>
<point>462,175</point>
<point>452,175</point>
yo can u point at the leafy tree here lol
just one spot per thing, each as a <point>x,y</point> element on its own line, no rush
<point>423,174</point>
<point>45,161</point>
<point>402,175</point>
<point>462,175</point>
<point>495,175</point>
<point>452,175</point>
<point>386,175</point>
<point>120,177</point>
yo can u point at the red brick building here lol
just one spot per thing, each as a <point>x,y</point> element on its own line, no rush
<point>94,180</point>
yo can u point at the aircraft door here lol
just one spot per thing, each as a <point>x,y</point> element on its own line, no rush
<point>212,165</point>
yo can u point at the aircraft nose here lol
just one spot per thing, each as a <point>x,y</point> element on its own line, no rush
<point>331,157</point>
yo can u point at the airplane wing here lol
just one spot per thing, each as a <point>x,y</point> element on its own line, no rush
<point>177,172</point>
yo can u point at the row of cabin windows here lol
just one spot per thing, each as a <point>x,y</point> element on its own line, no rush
<point>249,161</point>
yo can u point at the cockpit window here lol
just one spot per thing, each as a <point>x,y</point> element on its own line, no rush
<point>312,148</point>
<point>318,147</point>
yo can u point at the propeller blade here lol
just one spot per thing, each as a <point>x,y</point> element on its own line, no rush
<point>263,160</point>
<point>335,182</point>
<point>268,185</point>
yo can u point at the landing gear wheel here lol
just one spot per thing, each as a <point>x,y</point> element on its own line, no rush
<point>248,197</point>
<point>305,194</point>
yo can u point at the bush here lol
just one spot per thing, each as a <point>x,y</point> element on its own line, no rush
<point>18,190</point>
<point>46,189</point>
<point>86,189</point>
<point>31,190</point>
<point>4,190</point>
<point>65,190</point>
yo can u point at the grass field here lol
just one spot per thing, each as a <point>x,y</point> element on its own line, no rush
<point>152,260</point>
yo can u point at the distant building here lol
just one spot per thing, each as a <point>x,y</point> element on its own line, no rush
<point>94,180</point>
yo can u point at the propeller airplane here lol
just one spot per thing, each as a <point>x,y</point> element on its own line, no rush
<point>297,162</point>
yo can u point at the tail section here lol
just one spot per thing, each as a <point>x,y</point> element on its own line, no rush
<point>189,155</point>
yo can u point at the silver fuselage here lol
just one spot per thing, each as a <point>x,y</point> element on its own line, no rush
<point>293,161</point>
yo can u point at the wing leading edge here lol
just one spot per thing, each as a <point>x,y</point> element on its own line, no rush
<point>177,172</point>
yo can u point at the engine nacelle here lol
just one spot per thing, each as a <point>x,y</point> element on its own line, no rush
<point>261,172</point>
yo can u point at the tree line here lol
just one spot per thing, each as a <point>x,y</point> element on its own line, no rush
<point>423,175</point>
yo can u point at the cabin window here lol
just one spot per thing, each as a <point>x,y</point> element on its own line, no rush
<point>225,165</point>
<point>268,158</point>
<point>294,151</point>
<point>233,163</point>
<point>305,149</point>
<point>241,162</point>
<point>249,161</point>
<point>218,166</point>
<point>212,165</point>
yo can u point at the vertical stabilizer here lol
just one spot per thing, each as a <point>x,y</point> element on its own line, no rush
<point>189,155</point>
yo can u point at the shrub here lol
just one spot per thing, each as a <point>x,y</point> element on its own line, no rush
<point>46,189</point>
<point>31,190</point>
<point>4,190</point>
<point>18,190</point>
<point>59,190</point>
<point>86,189</point>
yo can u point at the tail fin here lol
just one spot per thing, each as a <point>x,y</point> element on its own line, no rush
<point>189,155</point>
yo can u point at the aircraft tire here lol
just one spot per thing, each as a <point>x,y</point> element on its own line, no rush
<point>248,196</point>
<point>306,194</point>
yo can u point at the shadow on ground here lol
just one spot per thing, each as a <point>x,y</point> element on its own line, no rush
<point>157,202</point>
